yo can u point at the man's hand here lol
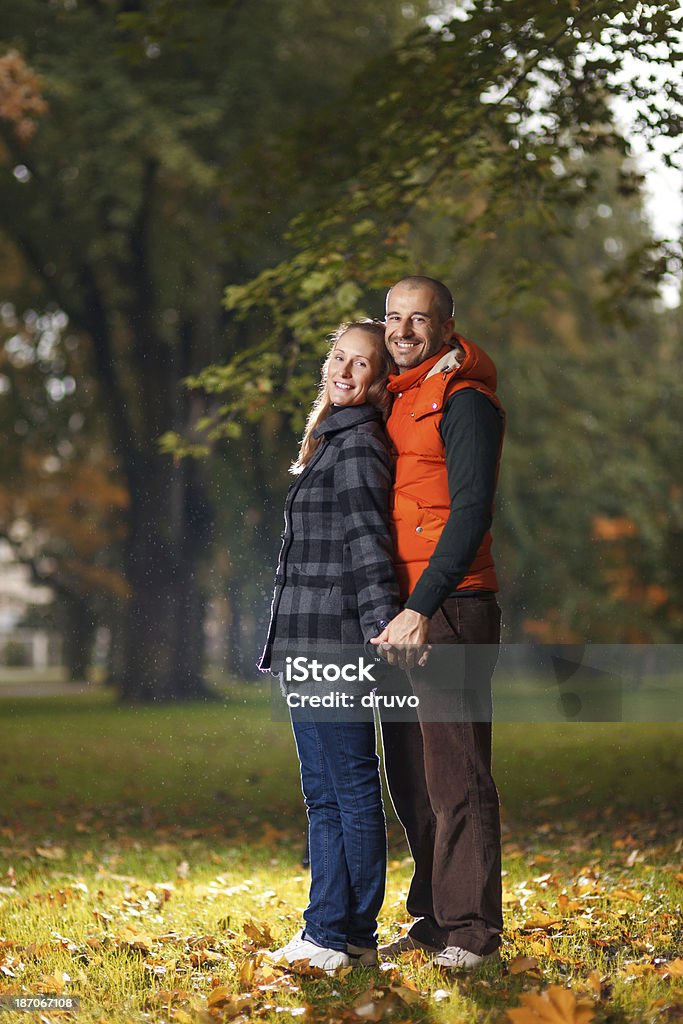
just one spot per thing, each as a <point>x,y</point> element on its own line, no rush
<point>404,641</point>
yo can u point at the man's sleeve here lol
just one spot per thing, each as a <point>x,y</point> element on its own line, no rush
<point>471,428</point>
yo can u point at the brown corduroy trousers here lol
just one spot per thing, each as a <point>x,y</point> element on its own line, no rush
<point>438,769</point>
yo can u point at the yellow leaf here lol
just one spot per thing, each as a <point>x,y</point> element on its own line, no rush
<point>182,1017</point>
<point>135,940</point>
<point>627,894</point>
<point>634,970</point>
<point>246,973</point>
<point>52,983</point>
<point>543,946</point>
<point>510,899</point>
<point>258,933</point>
<point>218,995</point>
<point>542,921</point>
<point>205,956</point>
<point>579,923</point>
<point>555,1005</point>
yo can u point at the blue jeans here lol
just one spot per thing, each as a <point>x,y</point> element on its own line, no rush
<point>347,830</point>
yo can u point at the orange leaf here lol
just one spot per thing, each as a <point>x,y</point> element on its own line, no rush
<point>555,1005</point>
<point>542,921</point>
<point>520,964</point>
<point>566,905</point>
<point>405,992</point>
<point>229,1004</point>
<point>595,980</point>
<point>672,969</point>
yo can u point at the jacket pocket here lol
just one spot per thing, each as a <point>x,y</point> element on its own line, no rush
<point>297,577</point>
<point>430,523</point>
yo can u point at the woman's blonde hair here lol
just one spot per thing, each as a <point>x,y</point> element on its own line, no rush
<point>377,392</point>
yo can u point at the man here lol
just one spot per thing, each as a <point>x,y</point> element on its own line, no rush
<point>446,426</point>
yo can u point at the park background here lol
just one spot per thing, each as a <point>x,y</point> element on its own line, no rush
<point>192,196</point>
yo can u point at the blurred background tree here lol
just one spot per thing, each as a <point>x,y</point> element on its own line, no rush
<point>146,158</point>
<point>151,152</point>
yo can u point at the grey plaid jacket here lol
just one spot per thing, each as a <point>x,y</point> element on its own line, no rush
<point>335,577</point>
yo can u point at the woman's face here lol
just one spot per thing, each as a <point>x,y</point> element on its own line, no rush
<point>354,365</point>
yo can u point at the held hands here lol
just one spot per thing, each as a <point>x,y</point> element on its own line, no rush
<point>404,641</point>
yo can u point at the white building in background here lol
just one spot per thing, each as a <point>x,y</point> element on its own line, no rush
<point>21,646</point>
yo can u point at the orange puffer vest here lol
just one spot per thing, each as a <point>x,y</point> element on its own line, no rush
<point>421,501</point>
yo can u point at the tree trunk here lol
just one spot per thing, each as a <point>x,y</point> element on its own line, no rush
<point>163,634</point>
<point>235,648</point>
<point>79,636</point>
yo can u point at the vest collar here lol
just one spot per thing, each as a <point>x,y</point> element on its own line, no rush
<point>408,379</point>
<point>460,355</point>
<point>344,417</point>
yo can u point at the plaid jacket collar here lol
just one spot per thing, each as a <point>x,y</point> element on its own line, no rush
<point>344,417</point>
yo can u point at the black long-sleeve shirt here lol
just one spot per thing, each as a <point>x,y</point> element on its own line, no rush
<point>471,429</point>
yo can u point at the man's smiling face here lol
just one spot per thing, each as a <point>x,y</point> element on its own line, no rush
<point>414,328</point>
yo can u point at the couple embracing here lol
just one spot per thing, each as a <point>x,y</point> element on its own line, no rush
<point>387,542</point>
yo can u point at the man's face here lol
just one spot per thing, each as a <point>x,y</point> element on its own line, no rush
<point>414,328</point>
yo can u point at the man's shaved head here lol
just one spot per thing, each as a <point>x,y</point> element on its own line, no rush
<point>444,299</point>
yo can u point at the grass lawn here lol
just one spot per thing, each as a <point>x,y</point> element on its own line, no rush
<point>147,854</point>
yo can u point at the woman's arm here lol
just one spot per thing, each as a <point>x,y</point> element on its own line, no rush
<point>363,479</point>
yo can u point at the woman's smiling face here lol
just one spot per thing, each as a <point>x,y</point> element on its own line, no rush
<point>353,366</point>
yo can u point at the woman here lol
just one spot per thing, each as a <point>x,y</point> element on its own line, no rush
<point>335,586</point>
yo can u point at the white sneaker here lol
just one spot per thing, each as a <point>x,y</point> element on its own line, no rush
<point>362,956</point>
<point>455,958</point>
<point>298,948</point>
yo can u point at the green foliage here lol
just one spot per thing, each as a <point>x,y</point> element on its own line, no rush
<point>494,118</point>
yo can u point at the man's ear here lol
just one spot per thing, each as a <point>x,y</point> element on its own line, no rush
<point>448,329</point>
